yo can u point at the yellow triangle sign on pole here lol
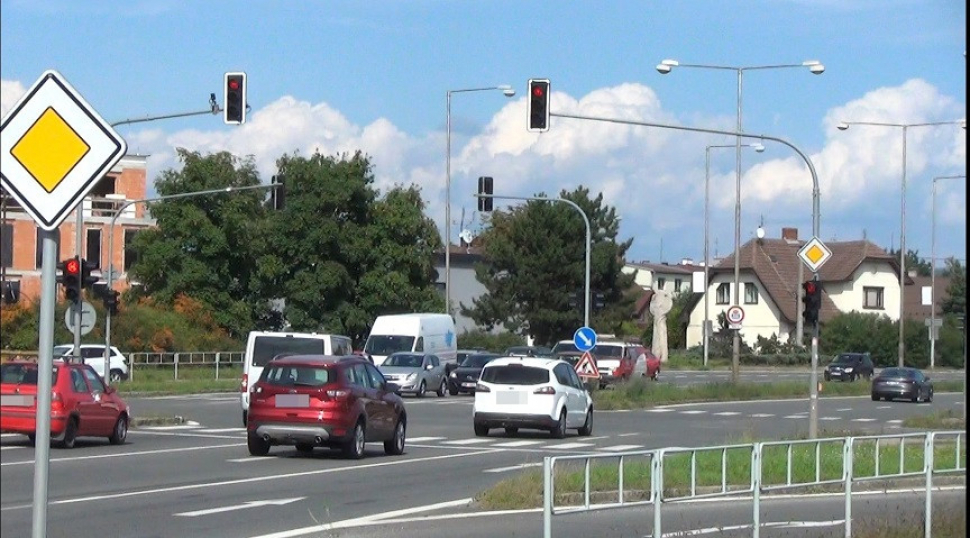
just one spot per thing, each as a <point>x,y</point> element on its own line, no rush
<point>586,367</point>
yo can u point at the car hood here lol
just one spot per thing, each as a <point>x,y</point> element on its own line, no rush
<point>399,370</point>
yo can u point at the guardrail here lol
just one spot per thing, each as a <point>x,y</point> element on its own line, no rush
<point>189,359</point>
<point>642,476</point>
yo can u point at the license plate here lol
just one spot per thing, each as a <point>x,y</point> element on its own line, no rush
<point>292,400</point>
<point>468,385</point>
<point>17,400</point>
<point>510,398</point>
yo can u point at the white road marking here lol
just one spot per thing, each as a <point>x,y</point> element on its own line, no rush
<point>10,447</point>
<point>797,415</point>
<point>844,409</point>
<point>462,442</point>
<point>249,459</point>
<point>726,414</point>
<point>884,407</point>
<point>830,418</point>
<point>169,428</point>
<point>569,446</point>
<point>894,421</point>
<point>424,439</point>
<point>126,454</point>
<point>222,430</point>
<point>243,506</point>
<point>863,420</point>
<point>627,434</point>
<point>620,448</point>
<point>659,410</point>
<point>762,415</point>
<point>694,412</point>
<point>513,467</point>
<point>518,443</point>
<point>781,524</point>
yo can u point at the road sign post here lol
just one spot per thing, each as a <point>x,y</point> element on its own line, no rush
<point>735,315</point>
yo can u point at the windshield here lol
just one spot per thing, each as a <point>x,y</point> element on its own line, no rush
<point>60,351</point>
<point>477,361</point>
<point>385,344</point>
<point>515,374</point>
<point>266,348</point>
<point>404,361</point>
<point>846,358</point>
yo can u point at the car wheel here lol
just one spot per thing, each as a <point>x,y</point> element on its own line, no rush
<point>915,398</point>
<point>31,438</point>
<point>875,398</point>
<point>852,378</point>
<point>453,391</point>
<point>354,447</point>
<point>245,418</point>
<point>929,396</point>
<point>304,448</point>
<point>69,437</point>
<point>656,376</point>
<point>559,432</point>
<point>395,447</point>
<point>116,376</point>
<point>422,388</point>
<point>120,432</point>
<point>442,389</point>
<point>587,428</point>
<point>481,430</point>
<point>511,431</point>
<point>257,445</point>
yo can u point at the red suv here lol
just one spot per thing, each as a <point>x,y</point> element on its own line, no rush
<point>81,404</point>
<point>321,400</point>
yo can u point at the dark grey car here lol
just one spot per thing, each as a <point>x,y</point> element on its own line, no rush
<point>907,383</point>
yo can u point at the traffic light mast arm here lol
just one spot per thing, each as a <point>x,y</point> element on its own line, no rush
<point>213,109</point>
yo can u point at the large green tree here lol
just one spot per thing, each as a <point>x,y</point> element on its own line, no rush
<point>914,262</point>
<point>338,254</point>
<point>955,301</point>
<point>202,246</point>
<point>534,261</point>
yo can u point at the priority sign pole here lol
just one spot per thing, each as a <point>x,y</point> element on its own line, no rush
<point>45,367</point>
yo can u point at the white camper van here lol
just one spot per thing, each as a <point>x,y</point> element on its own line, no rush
<point>428,333</point>
<point>262,347</point>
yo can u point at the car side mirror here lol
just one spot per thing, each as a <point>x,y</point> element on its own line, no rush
<point>110,389</point>
<point>429,367</point>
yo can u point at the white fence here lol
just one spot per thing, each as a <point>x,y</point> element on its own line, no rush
<point>217,360</point>
<point>871,452</point>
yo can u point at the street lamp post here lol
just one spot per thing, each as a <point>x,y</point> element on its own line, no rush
<point>707,262</point>
<point>665,67</point>
<point>933,331</point>
<point>508,92</point>
<point>902,216</point>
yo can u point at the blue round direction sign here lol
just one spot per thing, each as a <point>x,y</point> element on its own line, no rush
<point>584,338</point>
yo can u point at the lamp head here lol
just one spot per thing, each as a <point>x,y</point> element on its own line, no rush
<point>759,147</point>
<point>663,69</point>
<point>817,69</point>
<point>509,92</point>
<point>760,232</point>
<point>843,126</point>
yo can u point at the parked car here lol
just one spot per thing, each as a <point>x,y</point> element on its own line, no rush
<point>528,351</point>
<point>461,356</point>
<point>849,367</point>
<point>93,355</point>
<point>527,392</point>
<point>312,401</point>
<point>647,364</point>
<point>615,359</point>
<point>465,377</point>
<point>415,373</point>
<point>81,404</point>
<point>908,383</point>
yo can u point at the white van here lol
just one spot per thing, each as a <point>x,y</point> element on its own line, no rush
<point>428,333</point>
<point>264,346</point>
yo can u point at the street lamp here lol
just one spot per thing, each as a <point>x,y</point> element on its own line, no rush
<point>933,332</point>
<point>707,263</point>
<point>508,92</point>
<point>902,214</point>
<point>815,67</point>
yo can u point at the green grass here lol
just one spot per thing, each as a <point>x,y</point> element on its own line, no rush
<point>940,420</point>
<point>191,380</point>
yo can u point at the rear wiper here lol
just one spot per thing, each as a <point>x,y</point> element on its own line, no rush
<point>305,384</point>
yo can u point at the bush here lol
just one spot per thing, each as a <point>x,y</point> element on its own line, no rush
<point>497,342</point>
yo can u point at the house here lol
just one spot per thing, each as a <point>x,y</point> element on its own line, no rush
<point>464,285</point>
<point>20,246</point>
<point>672,279</point>
<point>860,276</point>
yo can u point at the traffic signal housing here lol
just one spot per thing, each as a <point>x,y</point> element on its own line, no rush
<point>538,105</point>
<point>111,300</point>
<point>70,278</point>
<point>87,279</point>
<point>235,98</point>
<point>812,300</point>
<point>485,186</point>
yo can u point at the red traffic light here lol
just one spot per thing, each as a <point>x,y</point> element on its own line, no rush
<point>810,287</point>
<point>538,90</point>
<point>72,266</point>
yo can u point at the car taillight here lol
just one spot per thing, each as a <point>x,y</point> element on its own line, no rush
<point>338,394</point>
<point>244,383</point>
<point>482,388</point>
<point>544,390</point>
<point>56,401</point>
<point>257,389</point>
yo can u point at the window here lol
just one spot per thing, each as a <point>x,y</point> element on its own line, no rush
<point>750,293</point>
<point>420,345</point>
<point>376,377</point>
<point>677,283</point>
<point>39,251</point>
<point>93,247</point>
<point>6,245</point>
<point>872,298</point>
<point>131,257</point>
<point>723,293</point>
<point>94,380</point>
<point>77,381</point>
<point>661,282</point>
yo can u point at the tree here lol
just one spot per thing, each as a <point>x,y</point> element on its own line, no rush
<point>914,262</point>
<point>202,247</point>
<point>955,301</point>
<point>534,260</point>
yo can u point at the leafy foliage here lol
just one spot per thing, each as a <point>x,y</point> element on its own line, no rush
<point>497,342</point>
<point>955,301</point>
<point>914,262</point>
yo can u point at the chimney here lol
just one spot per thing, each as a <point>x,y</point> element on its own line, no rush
<point>789,234</point>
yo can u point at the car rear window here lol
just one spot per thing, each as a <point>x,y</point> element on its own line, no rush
<point>266,348</point>
<point>514,374</point>
<point>297,375</point>
<point>899,372</point>
<point>24,374</point>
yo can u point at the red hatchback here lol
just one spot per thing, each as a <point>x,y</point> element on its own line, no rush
<point>81,404</point>
<point>319,400</point>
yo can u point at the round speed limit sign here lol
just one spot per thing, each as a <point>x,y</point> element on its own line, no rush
<point>735,314</point>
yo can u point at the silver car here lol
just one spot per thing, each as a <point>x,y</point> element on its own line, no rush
<point>416,373</point>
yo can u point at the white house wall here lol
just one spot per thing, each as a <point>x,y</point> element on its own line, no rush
<point>761,319</point>
<point>850,296</point>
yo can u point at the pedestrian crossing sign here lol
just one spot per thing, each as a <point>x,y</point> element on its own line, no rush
<point>586,367</point>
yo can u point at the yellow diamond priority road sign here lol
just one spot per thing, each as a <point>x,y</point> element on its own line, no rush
<point>54,148</point>
<point>814,254</point>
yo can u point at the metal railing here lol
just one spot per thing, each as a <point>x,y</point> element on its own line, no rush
<point>186,359</point>
<point>668,475</point>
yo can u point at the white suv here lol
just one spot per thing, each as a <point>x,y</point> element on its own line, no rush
<point>529,392</point>
<point>93,354</point>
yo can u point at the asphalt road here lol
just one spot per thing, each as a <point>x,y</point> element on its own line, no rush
<point>199,480</point>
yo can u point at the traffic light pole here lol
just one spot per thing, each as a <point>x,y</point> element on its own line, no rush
<point>588,237</point>
<point>816,196</point>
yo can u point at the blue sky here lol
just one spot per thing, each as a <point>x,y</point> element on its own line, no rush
<point>338,76</point>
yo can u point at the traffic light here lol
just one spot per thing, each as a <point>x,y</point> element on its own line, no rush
<point>538,105</point>
<point>87,279</point>
<point>111,301</point>
<point>812,300</point>
<point>277,195</point>
<point>70,278</point>
<point>485,187</point>
<point>235,98</point>
<point>599,301</point>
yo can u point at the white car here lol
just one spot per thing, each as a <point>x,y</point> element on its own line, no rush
<point>531,392</point>
<point>93,354</point>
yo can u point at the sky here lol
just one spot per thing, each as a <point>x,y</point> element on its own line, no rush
<point>339,76</point>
